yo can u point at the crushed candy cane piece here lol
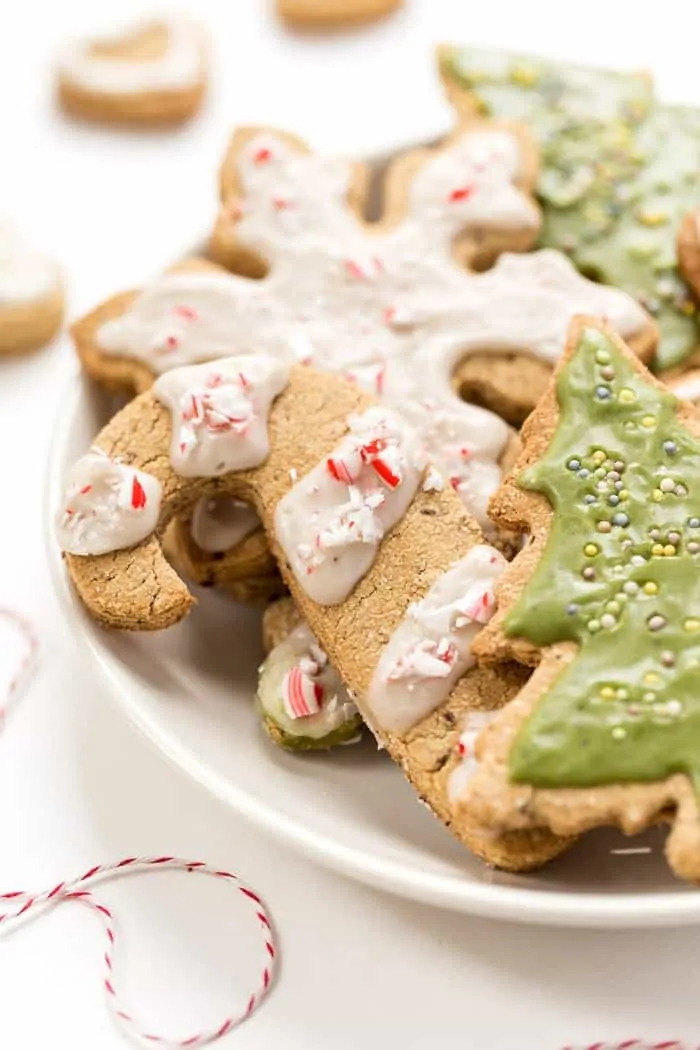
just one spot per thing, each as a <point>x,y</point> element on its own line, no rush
<point>426,659</point>
<point>462,193</point>
<point>301,695</point>
<point>220,413</point>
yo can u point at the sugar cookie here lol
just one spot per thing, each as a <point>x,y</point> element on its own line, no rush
<point>618,172</point>
<point>388,306</point>
<point>416,579</point>
<point>31,295</point>
<point>151,73</point>
<point>604,599</point>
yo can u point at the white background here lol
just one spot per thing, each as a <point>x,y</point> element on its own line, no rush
<point>77,786</point>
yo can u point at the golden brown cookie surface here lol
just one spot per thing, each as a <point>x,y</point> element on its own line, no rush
<point>135,588</point>
<point>315,14</point>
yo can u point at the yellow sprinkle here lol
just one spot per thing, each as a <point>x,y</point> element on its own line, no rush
<point>688,308</point>
<point>607,692</point>
<point>648,421</point>
<point>657,495</point>
<point>524,76</point>
<point>669,550</point>
<point>623,494</point>
<point>691,624</point>
<point>627,395</point>
<point>657,549</point>
<point>653,218</point>
<point>594,214</point>
<point>652,678</point>
<point>598,457</point>
<point>650,587</point>
<point>591,549</point>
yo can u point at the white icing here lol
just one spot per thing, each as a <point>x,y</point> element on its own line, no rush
<point>219,524</point>
<point>330,524</point>
<point>431,648</point>
<point>108,506</point>
<point>687,387</point>
<point>219,413</point>
<point>25,274</point>
<point>523,304</point>
<point>181,66</point>
<point>391,310</point>
<point>460,776</point>
<point>300,651</point>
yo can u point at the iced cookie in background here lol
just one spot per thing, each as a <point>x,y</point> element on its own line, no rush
<point>329,14</point>
<point>151,73</point>
<point>604,602</point>
<point>390,573</point>
<point>302,701</point>
<point>618,172</point>
<point>31,294</point>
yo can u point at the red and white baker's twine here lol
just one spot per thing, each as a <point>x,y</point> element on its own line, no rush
<point>636,1044</point>
<point>27,658</point>
<point>22,904</point>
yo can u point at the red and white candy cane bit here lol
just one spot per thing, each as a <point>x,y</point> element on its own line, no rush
<point>138,495</point>
<point>346,467</point>
<point>187,313</point>
<point>461,193</point>
<point>302,696</point>
<point>23,904</point>
<point>26,660</point>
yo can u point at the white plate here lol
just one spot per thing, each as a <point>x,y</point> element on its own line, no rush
<point>190,691</point>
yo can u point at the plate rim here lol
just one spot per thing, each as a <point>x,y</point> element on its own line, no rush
<point>511,903</point>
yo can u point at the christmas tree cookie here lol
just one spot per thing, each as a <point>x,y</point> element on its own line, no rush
<point>606,600</point>
<point>618,172</point>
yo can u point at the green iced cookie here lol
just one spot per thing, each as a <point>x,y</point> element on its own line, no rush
<point>620,577</point>
<point>617,173</point>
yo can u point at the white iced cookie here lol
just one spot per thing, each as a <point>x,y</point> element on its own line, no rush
<point>31,296</point>
<point>153,72</point>
<point>387,304</point>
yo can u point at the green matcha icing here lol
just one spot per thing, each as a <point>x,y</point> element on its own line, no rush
<point>617,173</point>
<point>620,577</point>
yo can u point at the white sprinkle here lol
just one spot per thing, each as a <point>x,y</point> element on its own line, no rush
<point>433,481</point>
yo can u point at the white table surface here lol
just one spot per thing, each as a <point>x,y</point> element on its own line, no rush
<point>77,785</point>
